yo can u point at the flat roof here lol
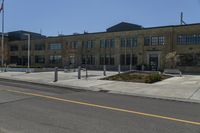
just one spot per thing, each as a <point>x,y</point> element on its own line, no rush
<point>147,28</point>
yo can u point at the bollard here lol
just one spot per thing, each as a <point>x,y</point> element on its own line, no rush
<point>119,69</point>
<point>130,67</point>
<point>142,67</point>
<point>104,70</point>
<point>86,73</point>
<point>56,74</point>
<point>79,72</point>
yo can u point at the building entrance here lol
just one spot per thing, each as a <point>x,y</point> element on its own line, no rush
<point>153,62</point>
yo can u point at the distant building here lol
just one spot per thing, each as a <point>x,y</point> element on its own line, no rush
<point>19,35</point>
<point>123,26</point>
<point>124,44</point>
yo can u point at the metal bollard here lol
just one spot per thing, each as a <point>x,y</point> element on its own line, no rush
<point>119,69</point>
<point>104,70</point>
<point>86,73</point>
<point>55,75</point>
<point>142,67</point>
<point>79,72</point>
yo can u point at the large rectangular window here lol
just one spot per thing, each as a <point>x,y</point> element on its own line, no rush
<point>128,59</point>
<point>39,47</point>
<point>102,43</point>
<point>107,60</point>
<point>128,42</point>
<point>74,44</point>
<point>88,44</point>
<point>161,40</point>
<point>107,43</point>
<point>112,43</point>
<point>14,59</point>
<point>147,41</point>
<point>102,60</point>
<point>188,39</point>
<point>55,59</point>
<point>154,40</point>
<point>112,60</point>
<point>123,43</point>
<point>189,60</point>
<point>83,59</point>
<point>40,59</point>
<point>55,46</point>
<point>88,59</point>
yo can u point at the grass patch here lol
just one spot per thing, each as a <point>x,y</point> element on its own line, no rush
<point>141,77</point>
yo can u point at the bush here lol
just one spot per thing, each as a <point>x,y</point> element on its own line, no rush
<point>154,77</point>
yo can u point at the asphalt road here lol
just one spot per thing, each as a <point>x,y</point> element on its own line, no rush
<point>38,109</point>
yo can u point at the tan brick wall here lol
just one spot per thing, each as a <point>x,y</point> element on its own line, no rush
<point>141,51</point>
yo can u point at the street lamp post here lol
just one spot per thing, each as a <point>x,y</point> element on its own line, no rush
<point>29,41</point>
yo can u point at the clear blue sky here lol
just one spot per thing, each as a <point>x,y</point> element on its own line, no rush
<point>70,16</point>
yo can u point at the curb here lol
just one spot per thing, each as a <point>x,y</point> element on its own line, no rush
<point>76,88</point>
<point>94,89</point>
<point>157,97</point>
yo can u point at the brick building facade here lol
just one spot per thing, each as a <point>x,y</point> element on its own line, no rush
<point>123,44</point>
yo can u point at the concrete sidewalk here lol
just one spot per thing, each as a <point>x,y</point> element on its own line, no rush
<point>186,88</point>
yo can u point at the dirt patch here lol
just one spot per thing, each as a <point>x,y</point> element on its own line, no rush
<point>140,77</point>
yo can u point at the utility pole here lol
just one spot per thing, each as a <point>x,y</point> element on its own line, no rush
<point>2,39</point>
<point>29,41</point>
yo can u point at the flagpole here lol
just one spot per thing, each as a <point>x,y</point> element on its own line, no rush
<point>2,39</point>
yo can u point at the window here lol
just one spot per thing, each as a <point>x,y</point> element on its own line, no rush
<point>102,60</point>
<point>74,44</point>
<point>25,47</point>
<point>112,60</point>
<point>102,43</point>
<point>112,43</point>
<point>88,59</point>
<point>188,39</point>
<point>147,41</point>
<point>189,60</point>
<point>107,57</point>
<point>55,59</point>
<point>107,60</point>
<point>39,47</point>
<point>39,59</point>
<point>154,41</point>
<point>134,42</point>
<point>55,46</point>
<point>128,42</point>
<point>88,44</point>
<point>13,48</point>
<point>14,59</point>
<point>122,59</point>
<point>72,60</point>
<point>83,59</point>
<point>161,40</point>
<point>108,43</point>
<point>127,59</point>
<point>123,43</point>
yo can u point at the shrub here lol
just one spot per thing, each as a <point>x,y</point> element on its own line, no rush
<point>154,77</point>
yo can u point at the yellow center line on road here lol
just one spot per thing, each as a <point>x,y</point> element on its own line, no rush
<point>105,107</point>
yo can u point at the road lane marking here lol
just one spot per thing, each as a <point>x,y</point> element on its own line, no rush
<point>106,107</point>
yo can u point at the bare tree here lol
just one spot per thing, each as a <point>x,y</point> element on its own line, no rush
<point>172,59</point>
